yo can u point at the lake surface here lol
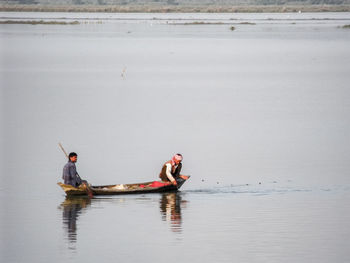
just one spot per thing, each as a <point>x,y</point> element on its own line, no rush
<point>260,113</point>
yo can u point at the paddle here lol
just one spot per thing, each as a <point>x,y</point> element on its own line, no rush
<point>87,187</point>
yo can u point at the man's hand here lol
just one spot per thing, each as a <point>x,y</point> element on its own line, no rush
<point>174,182</point>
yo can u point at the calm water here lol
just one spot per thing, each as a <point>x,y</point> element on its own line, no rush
<point>261,115</point>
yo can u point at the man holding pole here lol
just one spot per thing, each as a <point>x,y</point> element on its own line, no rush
<point>70,174</point>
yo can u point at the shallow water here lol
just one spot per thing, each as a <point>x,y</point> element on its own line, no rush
<point>261,115</point>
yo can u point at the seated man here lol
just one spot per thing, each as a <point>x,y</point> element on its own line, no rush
<point>171,170</point>
<point>70,175</point>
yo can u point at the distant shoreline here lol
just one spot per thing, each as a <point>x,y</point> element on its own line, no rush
<point>40,22</point>
<point>176,8</point>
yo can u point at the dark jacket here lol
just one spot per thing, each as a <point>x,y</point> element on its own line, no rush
<point>70,175</point>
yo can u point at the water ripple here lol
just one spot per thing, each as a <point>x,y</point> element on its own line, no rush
<point>263,189</point>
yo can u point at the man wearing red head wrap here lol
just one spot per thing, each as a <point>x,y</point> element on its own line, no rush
<point>171,169</point>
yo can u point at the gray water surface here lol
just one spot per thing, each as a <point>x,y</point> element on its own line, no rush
<point>260,114</point>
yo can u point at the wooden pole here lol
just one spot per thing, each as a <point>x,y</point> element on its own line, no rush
<point>65,153</point>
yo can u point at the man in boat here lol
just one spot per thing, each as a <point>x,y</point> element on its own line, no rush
<point>70,174</point>
<point>171,170</point>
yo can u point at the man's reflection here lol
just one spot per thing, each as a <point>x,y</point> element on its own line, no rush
<point>72,208</point>
<point>170,208</point>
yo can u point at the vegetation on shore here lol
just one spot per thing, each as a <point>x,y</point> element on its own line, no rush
<point>39,22</point>
<point>200,23</point>
<point>346,26</point>
<point>211,23</point>
<point>247,23</point>
<point>175,8</point>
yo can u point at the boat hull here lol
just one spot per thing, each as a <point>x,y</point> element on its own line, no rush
<point>139,188</point>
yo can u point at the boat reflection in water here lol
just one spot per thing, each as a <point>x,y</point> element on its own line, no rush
<point>170,209</point>
<point>72,208</point>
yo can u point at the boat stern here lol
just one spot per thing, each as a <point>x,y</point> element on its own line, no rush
<point>71,190</point>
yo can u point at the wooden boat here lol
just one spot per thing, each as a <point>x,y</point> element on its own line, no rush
<point>117,189</point>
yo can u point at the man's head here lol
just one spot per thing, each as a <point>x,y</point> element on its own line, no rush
<point>73,157</point>
<point>177,158</point>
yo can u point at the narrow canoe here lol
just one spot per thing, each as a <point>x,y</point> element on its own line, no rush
<point>117,189</point>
